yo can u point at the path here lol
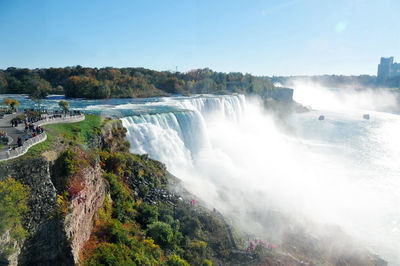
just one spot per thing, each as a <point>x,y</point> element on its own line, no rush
<point>13,132</point>
<point>19,132</point>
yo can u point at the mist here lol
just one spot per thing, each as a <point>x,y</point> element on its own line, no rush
<point>338,172</point>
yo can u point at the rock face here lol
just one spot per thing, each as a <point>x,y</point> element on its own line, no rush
<point>78,223</point>
<point>53,240</point>
<point>7,241</point>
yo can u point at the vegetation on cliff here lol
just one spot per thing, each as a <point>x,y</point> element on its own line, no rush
<point>94,83</point>
<point>142,230</point>
<point>13,206</point>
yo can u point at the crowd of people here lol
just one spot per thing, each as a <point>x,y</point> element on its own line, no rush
<point>30,131</point>
<point>30,117</point>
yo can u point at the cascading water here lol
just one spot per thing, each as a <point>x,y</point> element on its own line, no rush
<point>176,137</point>
<point>233,156</point>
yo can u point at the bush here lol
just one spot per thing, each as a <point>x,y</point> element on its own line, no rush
<point>191,226</point>
<point>65,163</point>
<point>196,252</point>
<point>175,260</point>
<point>110,254</point>
<point>161,233</point>
<point>122,200</point>
<point>147,215</point>
<point>115,163</point>
<point>118,234</point>
<point>13,206</point>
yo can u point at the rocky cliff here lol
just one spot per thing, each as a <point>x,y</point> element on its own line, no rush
<point>54,239</point>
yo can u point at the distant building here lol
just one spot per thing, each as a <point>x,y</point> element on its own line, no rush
<point>388,69</point>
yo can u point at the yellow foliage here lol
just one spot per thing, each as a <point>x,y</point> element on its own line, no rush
<point>10,102</point>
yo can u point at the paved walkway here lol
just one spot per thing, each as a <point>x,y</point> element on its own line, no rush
<point>13,132</point>
<point>16,132</point>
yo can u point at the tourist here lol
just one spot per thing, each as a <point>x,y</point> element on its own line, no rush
<point>19,142</point>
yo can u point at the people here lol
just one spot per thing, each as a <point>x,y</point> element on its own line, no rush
<point>19,142</point>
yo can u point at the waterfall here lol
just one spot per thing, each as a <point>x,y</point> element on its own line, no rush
<point>175,137</point>
<point>232,155</point>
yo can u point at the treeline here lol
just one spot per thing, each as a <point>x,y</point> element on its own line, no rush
<point>99,83</point>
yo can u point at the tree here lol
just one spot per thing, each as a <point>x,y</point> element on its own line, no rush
<point>11,102</point>
<point>39,91</point>
<point>64,105</point>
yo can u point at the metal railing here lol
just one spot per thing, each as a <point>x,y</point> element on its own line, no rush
<point>64,119</point>
<point>10,154</point>
<point>6,155</point>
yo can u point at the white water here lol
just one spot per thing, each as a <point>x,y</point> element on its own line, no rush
<point>343,170</point>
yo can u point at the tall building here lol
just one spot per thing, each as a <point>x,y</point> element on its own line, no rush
<point>388,69</point>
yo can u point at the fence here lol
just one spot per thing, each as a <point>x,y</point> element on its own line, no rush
<point>6,155</point>
<point>66,119</point>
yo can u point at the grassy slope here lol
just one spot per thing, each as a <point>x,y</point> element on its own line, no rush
<point>61,135</point>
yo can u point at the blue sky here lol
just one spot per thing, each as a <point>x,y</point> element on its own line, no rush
<point>270,37</point>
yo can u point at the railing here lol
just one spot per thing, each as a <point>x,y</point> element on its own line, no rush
<point>6,155</point>
<point>66,119</point>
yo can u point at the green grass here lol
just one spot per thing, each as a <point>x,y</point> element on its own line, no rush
<point>80,131</point>
<point>74,133</point>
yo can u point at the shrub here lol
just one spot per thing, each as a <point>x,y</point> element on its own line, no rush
<point>65,163</point>
<point>118,234</point>
<point>161,233</point>
<point>13,206</point>
<point>110,254</point>
<point>175,260</point>
<point>146,215</point>
<point>196,252</point>
<point>122,200</point>
<point>207,262</point>
<point>190,226</point>
<point>115,163</point>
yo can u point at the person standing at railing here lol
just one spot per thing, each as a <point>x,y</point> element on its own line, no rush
<point>19,142</point>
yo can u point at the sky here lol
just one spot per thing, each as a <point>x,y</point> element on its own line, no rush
<point>261,37</point>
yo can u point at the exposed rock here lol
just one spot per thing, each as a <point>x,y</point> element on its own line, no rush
<point>5,242</point>
<point>78,223</point>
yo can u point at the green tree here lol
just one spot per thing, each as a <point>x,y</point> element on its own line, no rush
<point>39,91</point>
<point>161,233</point>
<point>64,106</point>
<point>147,215</point>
